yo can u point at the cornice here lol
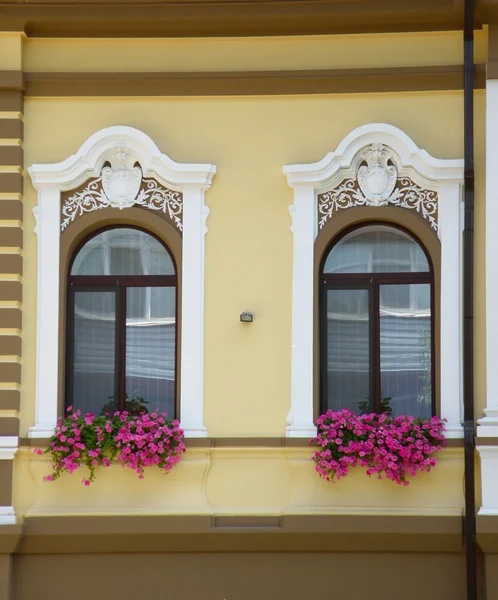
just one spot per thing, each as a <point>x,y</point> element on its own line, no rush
<point>93,153</point>
<point>228,18</point>
<point>343,162</point>
<point>240,83</point>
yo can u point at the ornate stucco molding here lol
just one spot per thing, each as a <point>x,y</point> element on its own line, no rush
<point>375,165</point>
<point>378,189</point>
<point>150,194</point>
<point>121,185</point>
<point>377,183</point>
<point>378,177</point>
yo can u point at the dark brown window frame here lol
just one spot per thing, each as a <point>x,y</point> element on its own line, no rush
<point>371,282</point>
<point>118,284</point>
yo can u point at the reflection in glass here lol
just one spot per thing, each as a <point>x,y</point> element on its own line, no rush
<point>376,249</point>
<point>406,348</point>
<point>123,251</point>
<point>348,352</point>
<point>150,346</point>
<point>94,350</point>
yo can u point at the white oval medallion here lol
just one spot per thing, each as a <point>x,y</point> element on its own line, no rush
<point>121,181</point>
<point>377,179</point>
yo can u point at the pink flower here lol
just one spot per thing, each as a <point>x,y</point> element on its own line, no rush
<point>396,447</point>
<point>38,451</point>
<point>141,441</point>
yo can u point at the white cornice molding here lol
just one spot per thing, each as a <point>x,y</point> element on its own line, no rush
<point>341,164</point>
<point>95,151</point>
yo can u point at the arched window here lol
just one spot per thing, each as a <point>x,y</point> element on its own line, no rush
<point>377,323</point>
<point>121,329</point>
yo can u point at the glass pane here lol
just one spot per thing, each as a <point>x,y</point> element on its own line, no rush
<point>123,251</point>
<point>136,303</point>
<point>406,348</point>
<point>348,350</point>
<point>89,261</point>
<point>150,348</point>
<point>124,261</point>
<point>94,351</point>
<point>376,249</point>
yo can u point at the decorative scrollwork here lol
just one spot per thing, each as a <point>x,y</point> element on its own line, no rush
<point>91,198</point>
<point>407,194</point>
<point>155,197</point>
<point>151,196</point>
<point>346,195</point>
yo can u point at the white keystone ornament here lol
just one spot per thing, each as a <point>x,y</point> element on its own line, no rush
<point>121,181</point>
<point>377,178</point>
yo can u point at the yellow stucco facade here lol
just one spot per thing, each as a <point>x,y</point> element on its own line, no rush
<point>248,250</point>
<point>248,254</point>
<point>249,244</point>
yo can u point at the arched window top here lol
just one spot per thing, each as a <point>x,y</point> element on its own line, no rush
<point>123,251</point>
<point>376,249</point>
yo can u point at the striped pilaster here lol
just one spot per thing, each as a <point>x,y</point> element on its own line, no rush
<point>11,216</point>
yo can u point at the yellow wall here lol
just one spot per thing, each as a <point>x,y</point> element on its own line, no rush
<point>231,481</point>
<point>249,243</point>
<point>11,51</point>
<point>248,257</point>
<point>226,54</point>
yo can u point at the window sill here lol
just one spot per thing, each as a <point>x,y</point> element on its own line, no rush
<point>246,442</point>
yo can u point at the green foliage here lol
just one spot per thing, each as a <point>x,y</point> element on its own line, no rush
<point>364,406</point>
<point>134,405</point>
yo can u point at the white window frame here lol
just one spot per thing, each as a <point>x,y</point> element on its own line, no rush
<point>488,424</point>
<point>50,180</point>
<point>307,180</point>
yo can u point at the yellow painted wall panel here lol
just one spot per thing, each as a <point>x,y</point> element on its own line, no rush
<point>246,54</point>
<point>11,51</point>
<point>249,243</point>
<point>236,482</point>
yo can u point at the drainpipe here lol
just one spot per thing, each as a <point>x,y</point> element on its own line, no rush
<point>468,306</point>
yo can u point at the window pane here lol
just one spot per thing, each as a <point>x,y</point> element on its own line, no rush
<point>136,303</point>
<point>123,251</point>
<point>124,261</point>
<point>150,347</point>
<point>406,348</point>
<point>348,350</point>
<point>94,351</point>
<point>89,261</point>
<point>376,249</point>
